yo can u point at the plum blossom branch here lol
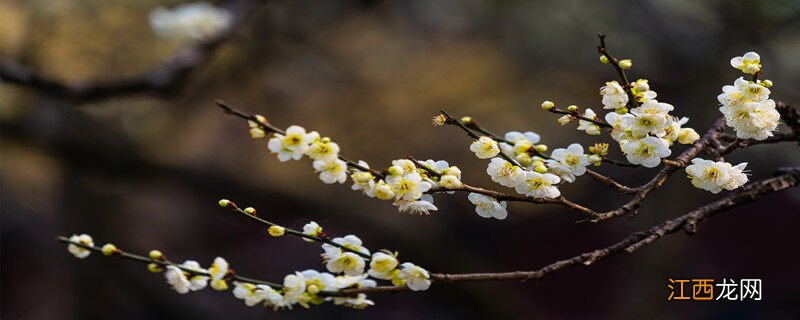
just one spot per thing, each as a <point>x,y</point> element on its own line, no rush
<point>161,262</point>
<point>637,240</point>
<point>250,213</point>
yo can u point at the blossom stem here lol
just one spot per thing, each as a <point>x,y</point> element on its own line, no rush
<point>451,120</point>
<point>577,115</point>
<point>163,263</point>
<point>601,49</point>
<point>294,232</point>
<point>265,125</point>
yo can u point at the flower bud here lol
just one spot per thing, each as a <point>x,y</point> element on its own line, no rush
<point>593,130</point>
<point>276,231</point>
<point>622,110</point>
<point>109,249</point>
<point>466,120</point>
<point>595,159</point>
<point>455,171</point>
<point>524,159</point>
<point>626,64</point>
<point>564,120</point>
<point>540,168</point>
<point>766,83</point>
<point>250,210</point>
<point>641,85</point>
<point>313,289</point>
<point>224,203</point>
<point>439,120</point>
<point>256,133</point>
<point>156,255</point>
<point>547,105</point>
<point>395,171</point>
<point>541,148</point>
<point>688,136</point>
<point>572,108</point>
<point>383,191</point>
<point>362,177</point>
<point>604,59</point>
<point>219,285</point>
<point>154,268</point>
<point>537,163</point>
<point>450,182</point>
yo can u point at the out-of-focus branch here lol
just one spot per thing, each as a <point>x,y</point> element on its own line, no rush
<point>164,79</point>
<point>788,178</point>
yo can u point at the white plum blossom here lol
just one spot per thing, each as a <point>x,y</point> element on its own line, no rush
<point>715,176</point>
<point>620,125</point>
<point>322,148</point>
<point>641,90</point>
<point>647,151</point>
<point>572,158</point>
<point>77,251</point>
<point>561,170</point>
<point>505,173</point>
<point>196,281</point>
<point>408,186</point>
<point>364,180</point>
<point>359,302</point>
<point>588,126</point>
<point>332,171</point>
<point>312,229</point>
<point>349,263</point>
<point>516,136</point>
<point>488,207</point>
<point>292,145</point>
<point>614,96</point>
<point>254,294</point>
<point>199,21</point>
<point>294,286</point>
<point>422,206</point>
<point>750,63</point>
<point>485,148</point>
<point>218,271</point>
<point>177,279</point>
<point>318,281</point>
<point>748,110</point>
<point>539,185</point>
<point>381,266</point>
<point>652,117</point>
<point>338,260</point>
<point>415,277</point>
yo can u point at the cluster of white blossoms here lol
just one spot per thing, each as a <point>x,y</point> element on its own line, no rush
<point>534,174</point>
<point>646,132</point>
<point>746,104</point>
<point>405,182</point>
<point>198,21</point>
<point>346,263</point>
<point>715,176</point>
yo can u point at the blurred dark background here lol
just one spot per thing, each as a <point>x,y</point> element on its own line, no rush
<point>146,171</point>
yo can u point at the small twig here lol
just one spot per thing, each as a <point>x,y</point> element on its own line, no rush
<point>164,263</point>
<point>626,85</point>
<point>294,232</point>
<point>267,126</point>
<point>163,79</point>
